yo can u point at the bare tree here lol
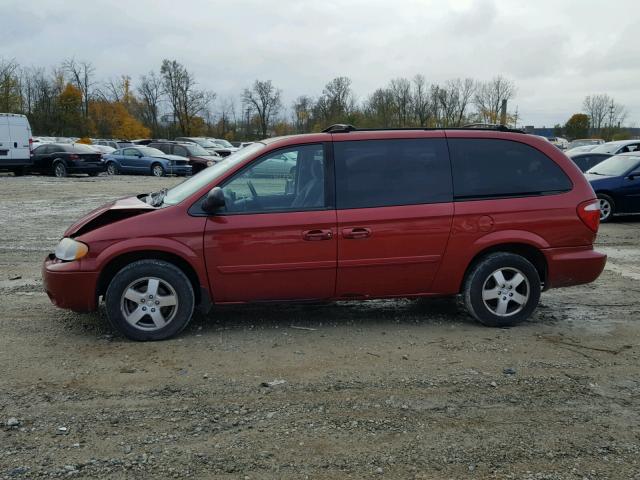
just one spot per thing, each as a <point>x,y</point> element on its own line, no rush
<point>264,99</point>
<point>400,89</point>
<point>489,96</point>
<point>150,92</point>
<point>380,108</point>
<point>10,91</point>
<point>597,108</point>
<point>81,74</point>
<point>336,101</point>
<point>421,102</point>
<point>303,114</point>
<point>227,116</point>
<point>186,100</point>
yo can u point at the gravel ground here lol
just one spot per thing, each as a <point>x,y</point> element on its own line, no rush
<point>380,389</point>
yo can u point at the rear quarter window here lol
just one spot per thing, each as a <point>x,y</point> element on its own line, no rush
<point>492,168</point>
<point>378,173</point>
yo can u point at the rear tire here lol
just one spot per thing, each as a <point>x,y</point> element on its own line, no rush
<point>607,207</point>
<point>94,174</point>
<point>18,172</point>
<point>157,170</point>
<point>502,290</point>
<point>60,169</point>
<point>150,300</point>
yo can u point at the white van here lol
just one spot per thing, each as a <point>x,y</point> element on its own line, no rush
<point>15,143</point>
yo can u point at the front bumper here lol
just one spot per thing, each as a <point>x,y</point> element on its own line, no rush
<point>179,170</point>
<point>69,287</point>
<point>573,266</point>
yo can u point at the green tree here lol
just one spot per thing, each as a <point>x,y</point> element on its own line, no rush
<point>577,126</point>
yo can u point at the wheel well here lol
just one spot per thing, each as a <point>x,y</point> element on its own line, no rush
<point>534,255</point>
<point>115,265</point>
<point>607,193</point>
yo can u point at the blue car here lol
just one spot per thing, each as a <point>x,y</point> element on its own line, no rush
<point>146,161</point>
<point>616,182</point>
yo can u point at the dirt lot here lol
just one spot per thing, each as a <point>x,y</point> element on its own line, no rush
<point>385,389</point>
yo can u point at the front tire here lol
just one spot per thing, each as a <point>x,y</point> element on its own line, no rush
<point>157,170</point>
<point>112,168</point>
<point>60,169</point>
<point>502,290</point>
<point>607,207</point>
<point>150,300</point>
<point>18,172</point>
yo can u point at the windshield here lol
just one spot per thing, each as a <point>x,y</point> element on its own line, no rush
<point>203,142</point>
<point>581,149</point>
<point>78,148</point>
<point>208,175</point>
<point>224,143</point>
<point>196,149</point>
<point>616,166</point>
<point>607,148</point>
<point>150,152</point>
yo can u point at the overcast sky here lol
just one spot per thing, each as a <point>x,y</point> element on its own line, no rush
<point>556,52</point>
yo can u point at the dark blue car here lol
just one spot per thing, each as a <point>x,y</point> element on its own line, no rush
<point>616,182</point>
<point>146,161</point>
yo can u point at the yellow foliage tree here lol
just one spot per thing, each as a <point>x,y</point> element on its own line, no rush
<point>70,108</point>
<point>111,119</point>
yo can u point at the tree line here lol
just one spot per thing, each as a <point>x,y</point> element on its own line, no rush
<point>69,100</point>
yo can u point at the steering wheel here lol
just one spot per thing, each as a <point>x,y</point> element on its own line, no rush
<point>254,194</point>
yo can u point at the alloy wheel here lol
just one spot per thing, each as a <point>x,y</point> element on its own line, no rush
<point>506,292</point>
<point>60,170</point>
<point>605,209</point>
<point>157,171</point>
<point>149,303</point>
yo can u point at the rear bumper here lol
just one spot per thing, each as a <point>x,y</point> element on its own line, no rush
<point>69,287</point>
<point>80,167</point>
<point>573,266</point>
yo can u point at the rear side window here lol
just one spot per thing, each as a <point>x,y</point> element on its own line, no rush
<point>490,168</point>
<point>379,173</point>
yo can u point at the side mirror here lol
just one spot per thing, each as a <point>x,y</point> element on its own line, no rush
<point>214,200</point>
<point>633,175</point>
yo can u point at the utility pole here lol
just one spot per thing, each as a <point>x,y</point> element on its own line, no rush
<point>611,110</point>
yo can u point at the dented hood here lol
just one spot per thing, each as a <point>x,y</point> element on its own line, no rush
<point>108,213</point>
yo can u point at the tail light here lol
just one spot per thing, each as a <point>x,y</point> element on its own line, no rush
<point>73,156</point>
<point>589,213</point>
<point>30,145</point>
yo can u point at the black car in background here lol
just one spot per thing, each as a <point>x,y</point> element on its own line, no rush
<point>62,159</point>
<point>587,160</point>
<point>199,158</point>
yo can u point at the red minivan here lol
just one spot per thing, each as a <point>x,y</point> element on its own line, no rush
<point>495,215</point>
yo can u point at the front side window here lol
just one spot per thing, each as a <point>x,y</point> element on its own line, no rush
<point>130,152</point>
<point>491,168</point>
<point>163,147</point>
<point>291,179</point>
<point>179,150</point>
<point>378,173</point>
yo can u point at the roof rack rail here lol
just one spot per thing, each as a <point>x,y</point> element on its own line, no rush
<point>493,126</point>
<point>339,128</point>
<point>345,128</point>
